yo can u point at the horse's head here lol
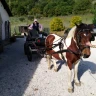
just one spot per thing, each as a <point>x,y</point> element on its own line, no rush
<point>83,37</point>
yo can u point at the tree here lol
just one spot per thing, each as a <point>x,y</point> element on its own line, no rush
<point>49,9</point>
<point>82,6</point>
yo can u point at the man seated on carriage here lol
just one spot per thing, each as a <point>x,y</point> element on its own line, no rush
<point>37,27</point>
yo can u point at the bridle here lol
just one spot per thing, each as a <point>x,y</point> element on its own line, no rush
<point>79,38</point>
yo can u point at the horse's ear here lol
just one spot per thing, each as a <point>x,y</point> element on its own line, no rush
<point>91,26</point>
<point>76,24</point>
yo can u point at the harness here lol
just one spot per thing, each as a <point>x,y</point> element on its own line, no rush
<point>79,38</point>
<point>61,47</point>
<point>68,50</point>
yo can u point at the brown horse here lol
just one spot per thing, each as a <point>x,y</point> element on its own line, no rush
<point>76,45</point>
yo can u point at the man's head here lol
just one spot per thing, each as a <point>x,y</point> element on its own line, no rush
<point>35,20</point>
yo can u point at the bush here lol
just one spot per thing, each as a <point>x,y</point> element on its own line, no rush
<point>56,24</point>
<point>38,16</point>
<point>21,19</point>
<point>75,19</point>
<point>30,17</point>
<point>16,31</point>
<point>94,18</point>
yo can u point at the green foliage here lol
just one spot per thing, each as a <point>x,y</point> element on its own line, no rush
<point>82,6</point>
<point>94,19</point>
<point>38,16</point>
<point>56,24</point>
<point>16,31</point>
<point>50,8</point>
<point>30,17</point>
<point>75,19</point>
<point>35,10</point>
<point>21,19</point>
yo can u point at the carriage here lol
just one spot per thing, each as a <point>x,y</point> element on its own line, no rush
<point>34,43</point>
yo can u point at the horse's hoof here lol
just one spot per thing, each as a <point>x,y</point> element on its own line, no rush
<point>49,68</point>
<point>55,70</point>
<point>78,84</point>
<point>70,90</point>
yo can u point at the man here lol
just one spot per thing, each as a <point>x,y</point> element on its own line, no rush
<point>35,25</point>
<point>38,27</point>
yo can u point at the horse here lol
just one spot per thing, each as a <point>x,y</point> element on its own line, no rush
<point>76,45</point>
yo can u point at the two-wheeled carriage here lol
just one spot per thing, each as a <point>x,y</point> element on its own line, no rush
<point>35,42</point>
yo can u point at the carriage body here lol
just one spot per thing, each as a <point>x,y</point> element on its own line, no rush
<point>34,44</point>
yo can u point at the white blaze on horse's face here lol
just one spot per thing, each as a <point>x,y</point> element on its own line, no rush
<point>85,43</point>
<point>85,34</point>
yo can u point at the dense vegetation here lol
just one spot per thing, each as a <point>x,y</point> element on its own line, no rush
<point>64,9</point>
<point>48,8</point>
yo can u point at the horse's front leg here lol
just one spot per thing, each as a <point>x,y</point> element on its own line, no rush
<point>55,66</point>
<point>49,61</point>
<point>77,82</point>
<point>70,87</point>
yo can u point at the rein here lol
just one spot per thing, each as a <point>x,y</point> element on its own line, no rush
<point>66,50</point>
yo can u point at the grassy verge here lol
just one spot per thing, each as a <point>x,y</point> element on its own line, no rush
<point>45,21</point>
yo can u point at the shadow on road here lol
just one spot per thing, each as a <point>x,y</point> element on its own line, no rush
<point>84,66</point>
<point>15,70</point>
<point>60,62</point>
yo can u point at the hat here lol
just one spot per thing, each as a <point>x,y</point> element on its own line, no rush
<point>35,20</point>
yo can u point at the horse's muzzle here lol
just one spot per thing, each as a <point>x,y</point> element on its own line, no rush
<point>85,56</point>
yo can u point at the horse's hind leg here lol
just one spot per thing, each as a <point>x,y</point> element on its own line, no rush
<point>49,61</point>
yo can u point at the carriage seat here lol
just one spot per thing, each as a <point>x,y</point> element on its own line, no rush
<point>34,33</point>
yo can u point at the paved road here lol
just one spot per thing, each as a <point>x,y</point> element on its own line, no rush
<point>19,77</point>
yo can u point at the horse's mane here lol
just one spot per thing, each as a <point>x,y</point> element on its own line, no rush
<point>71,32</point>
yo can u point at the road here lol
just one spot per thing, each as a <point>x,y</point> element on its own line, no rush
<point>19,77</point>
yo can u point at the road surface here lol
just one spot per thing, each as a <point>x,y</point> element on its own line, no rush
<point>19,77</point>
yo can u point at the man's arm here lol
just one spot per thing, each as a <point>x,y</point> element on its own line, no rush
<point>40,27</point>
<point>30,27</point>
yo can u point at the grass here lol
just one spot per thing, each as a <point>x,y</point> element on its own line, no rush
<point>45,21</point>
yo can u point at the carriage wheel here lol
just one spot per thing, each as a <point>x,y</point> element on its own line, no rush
<point>29,54</point>
<point>25,48</point>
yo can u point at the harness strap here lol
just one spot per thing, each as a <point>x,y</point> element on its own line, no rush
<point>60,47</point>
<point>55,45</point>
<point>66,50</point>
